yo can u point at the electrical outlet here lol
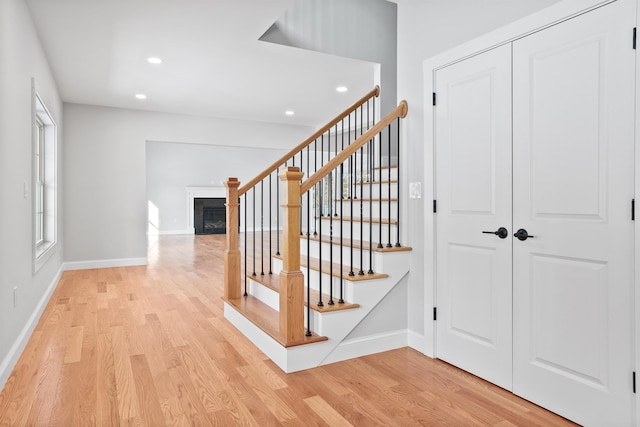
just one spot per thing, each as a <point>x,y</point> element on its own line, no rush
<point>15,297</point>
<point>415,190</point>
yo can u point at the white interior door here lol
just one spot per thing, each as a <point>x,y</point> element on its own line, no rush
<point>473,175</point>
<point>573,110</point>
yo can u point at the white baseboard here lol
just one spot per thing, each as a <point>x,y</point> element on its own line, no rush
<point>371,344</point>
<point>8,363</point>
<point>105,263</point>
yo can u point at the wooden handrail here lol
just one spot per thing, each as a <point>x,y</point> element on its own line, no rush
<point>400,111</point>
<point>375,92</point>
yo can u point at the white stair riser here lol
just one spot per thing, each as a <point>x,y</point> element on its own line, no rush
<point>314,252</point>
<point>366,190</point>
<point>366,209</point>
<point>357,232</point>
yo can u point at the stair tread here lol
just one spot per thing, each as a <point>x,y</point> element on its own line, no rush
<point>267,319</point>
<point>272,281</point>
<point>356,244</point>
<point>385,167</point>
<point>356,219</point>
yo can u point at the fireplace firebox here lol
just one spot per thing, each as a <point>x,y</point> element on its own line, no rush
<point>209,216</point>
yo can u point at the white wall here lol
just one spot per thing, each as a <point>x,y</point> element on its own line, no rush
<point>426,28</point>
<point>106,203</point>
<point>21,59</point>
<point>171,167</point>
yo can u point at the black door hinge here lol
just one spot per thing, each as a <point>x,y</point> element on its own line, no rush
<point>435,206</point>
<point>435,317</point>
<point>634,381</point>
<point>635,30</point>
<point>434,94</point>
<point>633,209</point>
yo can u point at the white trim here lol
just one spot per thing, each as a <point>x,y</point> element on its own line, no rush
<point>371,344</point>
<point>8,363</point>
<point>201,192</point>
<point>104,263</point>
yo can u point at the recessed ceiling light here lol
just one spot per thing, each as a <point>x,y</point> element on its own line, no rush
<point>289,113</point>
<point>154,60</point>
<point>342,89</point>
<point>141,96</point>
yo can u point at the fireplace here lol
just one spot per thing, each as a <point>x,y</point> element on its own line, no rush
<point>209,215</point>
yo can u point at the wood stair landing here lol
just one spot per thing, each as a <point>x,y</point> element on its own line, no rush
<point>267,319</point>
<point>272,281</point>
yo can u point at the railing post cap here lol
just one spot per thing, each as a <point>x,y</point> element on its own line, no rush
<point>232,182</point>
<point>291,173</point>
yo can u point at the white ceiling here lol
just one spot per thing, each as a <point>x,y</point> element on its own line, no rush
<point>213,65</point>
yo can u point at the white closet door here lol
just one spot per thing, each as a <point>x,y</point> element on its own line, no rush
<point>473,175</point>
<point>573,107</point>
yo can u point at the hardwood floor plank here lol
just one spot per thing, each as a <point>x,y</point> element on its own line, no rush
<point>149,345</point>
<point>324,410</point>
<point>107,394</point>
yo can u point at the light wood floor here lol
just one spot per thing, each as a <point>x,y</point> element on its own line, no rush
<point>149,346</point>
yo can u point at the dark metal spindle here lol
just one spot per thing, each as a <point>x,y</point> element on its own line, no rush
<point>315,193</point>
<point>398,189</point>
<point>389,245</point>
<point>371,165</point>
<point>254,231</point>
<point>330,195</point>
<point>246,270</point>
<point>380,188</point>
<point>341,300</point>
<point>308,333</point>
<point>361,272</point>
<point>270,226</point>
<point>277,212</point>
<point>262,227</point>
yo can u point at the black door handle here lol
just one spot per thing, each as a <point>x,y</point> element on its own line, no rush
<point>523,235</point>
<point>500,232</point>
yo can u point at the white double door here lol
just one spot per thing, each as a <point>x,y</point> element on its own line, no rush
<point>538,135</point>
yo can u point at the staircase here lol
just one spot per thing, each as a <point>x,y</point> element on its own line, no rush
<point>314,258</point>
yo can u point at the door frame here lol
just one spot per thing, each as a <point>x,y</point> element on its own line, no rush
<point>545,18</point>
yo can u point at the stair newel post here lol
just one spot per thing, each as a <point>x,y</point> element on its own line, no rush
<point>291,278</point>
<point>232,252</point>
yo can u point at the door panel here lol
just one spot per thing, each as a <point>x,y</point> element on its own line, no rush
<point>473,175</point>
<point>573,105</point>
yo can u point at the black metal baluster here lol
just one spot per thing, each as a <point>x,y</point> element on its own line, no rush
<point>351,196</point>
<point>361,272</point>
<point>341,300</point>
<point>398,190</point>
<point>380,245</point>
<point>278,211</point>
<point>315,195</point>
<point>270,226</point>
<point>330,195</point>
<point>335,200</point>
<point>254,231</point>
<point>246,248</point>
<point>389,245</point>
<point>262,227</point>
<point>371,164</point>
<point>308,333</point>
<point>321,197</point>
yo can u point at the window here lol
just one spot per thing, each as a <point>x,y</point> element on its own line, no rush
<point>44,182</point>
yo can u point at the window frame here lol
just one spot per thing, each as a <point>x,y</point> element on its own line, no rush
<point>44,182</point>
